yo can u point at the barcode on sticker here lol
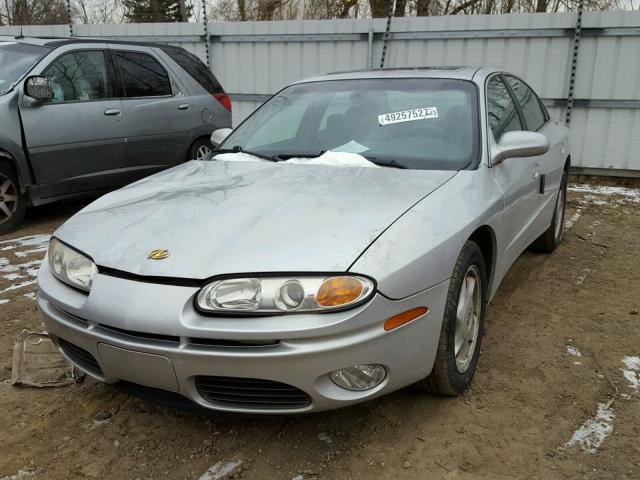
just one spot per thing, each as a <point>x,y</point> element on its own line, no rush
<point>408,115</point>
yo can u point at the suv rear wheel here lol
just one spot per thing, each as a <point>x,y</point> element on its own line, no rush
<point>12,203</point>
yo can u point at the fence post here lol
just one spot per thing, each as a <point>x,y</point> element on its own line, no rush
<point>69,17</point>
<point>574,62</point>
<point>392,11</point>
<point>370,47</point>
<point>206,33</point>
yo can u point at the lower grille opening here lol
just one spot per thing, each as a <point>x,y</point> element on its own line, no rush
<point>133,335</point>
<point>213,342</point>
<point>157,396</point>
<point>250,393</point>
<point>81,357</point>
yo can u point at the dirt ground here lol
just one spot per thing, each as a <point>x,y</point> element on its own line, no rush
<point>562,335</point>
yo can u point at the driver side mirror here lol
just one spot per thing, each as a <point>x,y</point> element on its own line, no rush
<point>39,89</point>
<point>219,136</point>
<point>519,144</point>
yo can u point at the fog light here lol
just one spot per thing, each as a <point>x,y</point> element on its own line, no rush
<point>359,377</point>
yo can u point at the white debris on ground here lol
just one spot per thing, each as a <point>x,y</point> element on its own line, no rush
<point>22,274</point>
<point>574,218</point>
<point>573,351</point>
<point>222,470</point>
<point>593,431</point>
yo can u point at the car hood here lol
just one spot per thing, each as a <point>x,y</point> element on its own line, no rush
<point>246,217</point>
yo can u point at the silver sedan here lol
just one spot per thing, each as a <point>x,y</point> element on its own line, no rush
<point>340,244</point>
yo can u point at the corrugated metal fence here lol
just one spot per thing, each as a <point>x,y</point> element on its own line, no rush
<point>255,59</point>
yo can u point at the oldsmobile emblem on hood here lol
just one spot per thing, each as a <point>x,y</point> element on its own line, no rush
<point>158,254</point>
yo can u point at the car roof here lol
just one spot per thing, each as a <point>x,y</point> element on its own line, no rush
<point>455,72</point>
<point>54,42</point>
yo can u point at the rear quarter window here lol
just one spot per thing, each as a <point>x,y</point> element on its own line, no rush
<point>195,68</point>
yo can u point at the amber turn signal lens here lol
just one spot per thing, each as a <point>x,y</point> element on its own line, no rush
<point>339,291</point>
<point>405,317</point>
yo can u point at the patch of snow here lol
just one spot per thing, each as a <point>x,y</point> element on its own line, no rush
<point>238,157</point>
<point>335,159</point>
<point>632,194</point>
<point>573,351</point>
<point>577,363</point>
<point>20,474</point>
<point>323,437</point>
<point>574,218</point>
<point>26,253</point>
<point>30,295</point>
<point>632,372</point>
<point>28,241</point>
<point>3,301</point>
<point>593,431</point>
<point>12,276</point>
<point>221,470</point>
<point>15,286</point>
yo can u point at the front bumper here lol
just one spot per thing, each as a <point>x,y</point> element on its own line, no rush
<point>150,335</point>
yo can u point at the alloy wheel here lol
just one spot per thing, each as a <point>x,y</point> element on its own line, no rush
<point>202,152</point>
<point>8,198</point>
<point>467,319</point>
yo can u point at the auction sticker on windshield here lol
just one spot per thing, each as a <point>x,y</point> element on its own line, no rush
<point>408,115</point>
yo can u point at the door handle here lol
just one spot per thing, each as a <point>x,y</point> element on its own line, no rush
<point>111,112</point>
<point>183,106</point>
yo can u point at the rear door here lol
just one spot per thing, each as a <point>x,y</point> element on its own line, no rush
<point>157,116</point>
<point>75,142</point>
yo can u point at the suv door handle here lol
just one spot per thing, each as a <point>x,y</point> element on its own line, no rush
<point>112,112</point>
<point>183,106</point>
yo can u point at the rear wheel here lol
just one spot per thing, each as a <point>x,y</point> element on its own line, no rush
<point>200,149</point>
<point>551,238</point>
<point>462,326</point>
<point>12,203</point>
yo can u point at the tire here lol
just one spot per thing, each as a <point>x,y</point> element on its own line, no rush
<point>551,238</point>
<point>453,371</point>
<point>13,203</point>
<point>200,149</point>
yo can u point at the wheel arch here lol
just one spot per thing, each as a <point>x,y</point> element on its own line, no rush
<point>485,238</point>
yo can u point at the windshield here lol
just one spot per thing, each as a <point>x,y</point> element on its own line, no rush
<point>15,60</point>
<point>428,124</point>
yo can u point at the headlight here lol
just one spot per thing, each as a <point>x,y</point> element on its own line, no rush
<point>254,295</point>
<point>70,266</point>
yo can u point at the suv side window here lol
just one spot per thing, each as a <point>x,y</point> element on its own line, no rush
<point>142,75</point>
<point>534,113</point>
<point>503,115</point>
<point>79,77</point>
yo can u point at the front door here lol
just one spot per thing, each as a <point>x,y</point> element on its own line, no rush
<point>519,178</point>
<point>76,141</point>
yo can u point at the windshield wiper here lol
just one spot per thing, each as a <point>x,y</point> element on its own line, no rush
<point>387,163</point>
<point>239,149</point>
<point>287,156</point>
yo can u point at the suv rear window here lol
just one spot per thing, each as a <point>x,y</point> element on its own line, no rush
<point>194,67</point>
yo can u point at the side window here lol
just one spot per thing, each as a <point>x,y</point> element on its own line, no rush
<point>142,75</point>
<point>503,116</point>
<point>79,76</point>
<point>534,114</point>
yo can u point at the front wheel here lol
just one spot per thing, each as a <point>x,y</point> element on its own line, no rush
<point>200,149</point>
<point>13,204</point>
<point>462,325</point>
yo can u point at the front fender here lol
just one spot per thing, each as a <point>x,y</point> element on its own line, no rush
<point>420,249</point>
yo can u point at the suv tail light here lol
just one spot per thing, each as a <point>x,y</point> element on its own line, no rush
<point>224,99</point>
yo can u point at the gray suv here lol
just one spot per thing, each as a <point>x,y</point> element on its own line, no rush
<point>79,116</point>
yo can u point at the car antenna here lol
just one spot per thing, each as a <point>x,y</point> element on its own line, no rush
<point>19,36</point>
